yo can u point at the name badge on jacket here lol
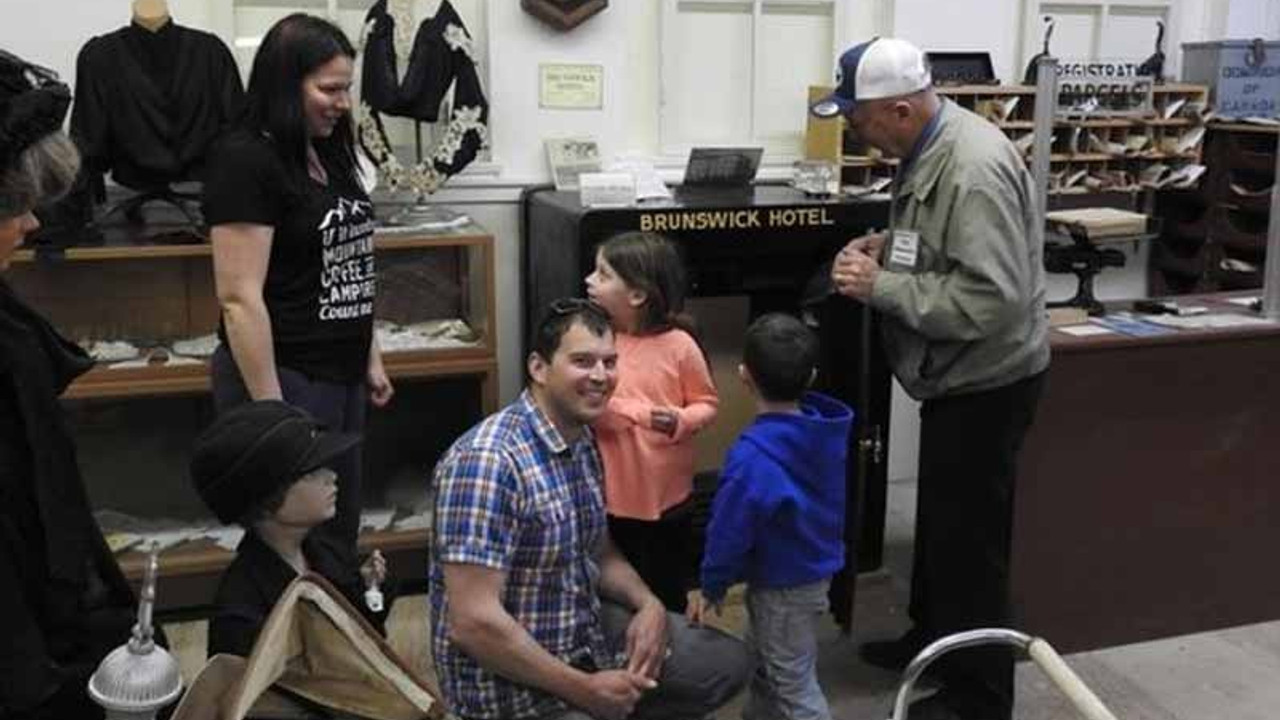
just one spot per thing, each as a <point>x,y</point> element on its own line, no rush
<point>904,247</point>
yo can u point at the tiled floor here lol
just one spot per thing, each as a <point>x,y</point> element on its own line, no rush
<point>1232,673</point>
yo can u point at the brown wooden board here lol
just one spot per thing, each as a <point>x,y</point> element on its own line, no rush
<point>1146,503</point>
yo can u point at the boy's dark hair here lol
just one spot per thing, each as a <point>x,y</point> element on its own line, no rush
<point>559,316</point>
<point>781,353</point>
<point>291,50</point>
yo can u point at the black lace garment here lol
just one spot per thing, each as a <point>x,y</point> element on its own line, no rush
<point>440,60</point>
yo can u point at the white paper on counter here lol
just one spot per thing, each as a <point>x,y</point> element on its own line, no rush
<point>1085,330</point>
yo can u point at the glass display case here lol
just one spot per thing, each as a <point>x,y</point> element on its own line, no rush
<point>148,312</point>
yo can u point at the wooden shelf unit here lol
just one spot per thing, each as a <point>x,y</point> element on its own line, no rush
<point>828,139</point>
<point>107,382</point>
<point>164,292</point>
<point>1215,235</point>
<point>467,236</point>
<point>204,558</point>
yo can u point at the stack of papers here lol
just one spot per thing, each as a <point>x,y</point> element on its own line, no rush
<point>1100,222</point>
<point>1127,324</point>
<point>1210,321</point>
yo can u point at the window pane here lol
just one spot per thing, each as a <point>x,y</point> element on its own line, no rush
<point>795,52</point>
<point>1130,32</point>
<point>1075,33</point>
<point>707,74</point>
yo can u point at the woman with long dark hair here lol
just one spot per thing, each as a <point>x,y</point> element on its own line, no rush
<point>64,604</point>
<point>292,234</point>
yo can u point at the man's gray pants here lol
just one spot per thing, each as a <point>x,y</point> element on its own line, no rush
<point>706,669</point>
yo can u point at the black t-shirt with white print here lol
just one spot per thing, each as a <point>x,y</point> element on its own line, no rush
<point>321,280</point>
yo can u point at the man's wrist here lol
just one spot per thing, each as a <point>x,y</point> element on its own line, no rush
<point>650,601</point>
<point>881,286</point>
<point>572,686</point>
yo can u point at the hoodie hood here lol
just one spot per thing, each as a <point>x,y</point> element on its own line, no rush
<point>811,445</point>
<point>778,516</point>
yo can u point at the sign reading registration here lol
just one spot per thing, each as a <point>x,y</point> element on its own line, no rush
<point>570,87</point>
<point>1103,87</point>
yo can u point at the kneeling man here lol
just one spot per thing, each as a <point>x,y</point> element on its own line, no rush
<point>535,613</point>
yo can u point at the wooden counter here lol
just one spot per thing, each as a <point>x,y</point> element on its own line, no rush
<point>1148,502</point>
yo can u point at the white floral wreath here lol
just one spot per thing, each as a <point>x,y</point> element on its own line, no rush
<point>423,178</point>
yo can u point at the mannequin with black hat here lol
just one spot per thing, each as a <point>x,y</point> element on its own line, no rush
<point>64,604</point>
<point>266,466</point>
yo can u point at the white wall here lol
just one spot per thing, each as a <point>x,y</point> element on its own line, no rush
<point>624,40</point>
<point>955,25</point>
<point>1247,19</point>
<point>51,32</point>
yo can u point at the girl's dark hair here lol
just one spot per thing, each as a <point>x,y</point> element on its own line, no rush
<point>651,264</point>
<point>291,50</point>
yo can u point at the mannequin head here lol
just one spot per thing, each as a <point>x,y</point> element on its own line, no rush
<point>151,14</point>
<point>38,162</point>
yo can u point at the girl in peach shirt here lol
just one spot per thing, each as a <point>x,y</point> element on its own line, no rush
<point>664,396</point>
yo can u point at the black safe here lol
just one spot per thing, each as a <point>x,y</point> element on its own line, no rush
<point>773,245</point>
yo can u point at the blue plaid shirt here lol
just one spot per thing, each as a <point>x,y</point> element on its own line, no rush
<point>512,495</point>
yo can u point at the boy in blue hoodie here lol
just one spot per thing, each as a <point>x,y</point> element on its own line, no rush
<point>777,522</point>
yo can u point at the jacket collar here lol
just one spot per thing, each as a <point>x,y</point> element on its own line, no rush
<point>927,168</point>
<point>270,571</point>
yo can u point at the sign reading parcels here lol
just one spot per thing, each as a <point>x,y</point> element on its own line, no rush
<point>1103,87</point>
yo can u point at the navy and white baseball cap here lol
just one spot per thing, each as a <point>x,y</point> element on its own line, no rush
<point>878,68</point>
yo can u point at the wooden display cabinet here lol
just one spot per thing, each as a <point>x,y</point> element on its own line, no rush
<point>1215,235</point>
<point>134,426</point>
<point>1092,146</point>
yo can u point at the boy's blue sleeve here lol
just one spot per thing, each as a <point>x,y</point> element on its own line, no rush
<point>731,534</point>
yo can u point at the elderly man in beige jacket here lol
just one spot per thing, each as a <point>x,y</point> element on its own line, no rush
<point>959,282</point>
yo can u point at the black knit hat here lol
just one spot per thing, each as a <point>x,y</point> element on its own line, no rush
<point>256,449</point>
<point>33,104</point>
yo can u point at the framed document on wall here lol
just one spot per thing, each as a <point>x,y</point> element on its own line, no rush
<point>570,87</point>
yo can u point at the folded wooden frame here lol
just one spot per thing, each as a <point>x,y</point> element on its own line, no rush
<point>317,647</point>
